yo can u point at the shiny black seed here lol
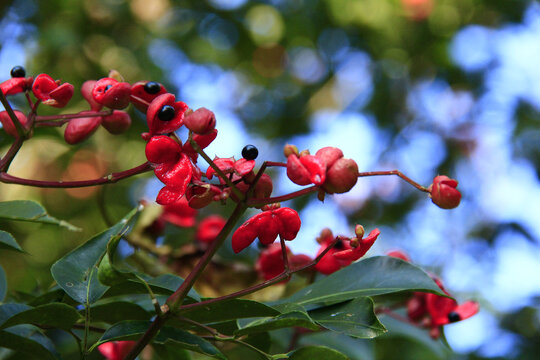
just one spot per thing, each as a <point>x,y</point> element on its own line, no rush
<point>18,71</point>
<point>250,152</point>
<point>453,317</point>
<point>107,87</point>
<point>152,87</point>
<point>166,113</point>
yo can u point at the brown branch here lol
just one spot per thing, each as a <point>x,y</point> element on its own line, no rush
<point>111,178</point>
<point>394,172</point>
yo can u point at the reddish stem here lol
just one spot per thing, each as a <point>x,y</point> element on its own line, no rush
<point>21,132</point>
<point>68,117</point>
<point>276,199</point>
<point>111,178</point>
<point>272,163</point>
<point>136,98</point>
<point>262,285</point>
<point>394,172</point>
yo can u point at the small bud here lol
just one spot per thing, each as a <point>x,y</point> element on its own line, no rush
<point>201,121</point>
<point>359,231</point>
<point>443,192</point>
<point>115,74</point>
<point>289,150</point>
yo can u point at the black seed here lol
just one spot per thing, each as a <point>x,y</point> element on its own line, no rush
<point>107,88</point>
<point>250,152</point>
<point>152,87</point>
<point>339,245</point>
<point>18,71</point>
<point>166,113</point>
<point>453,317</point>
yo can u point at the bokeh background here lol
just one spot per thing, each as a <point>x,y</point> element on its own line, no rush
<point>424,86</point>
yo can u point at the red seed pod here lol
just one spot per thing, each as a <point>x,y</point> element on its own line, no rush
<point>329,155</point>
<point>290,222</point>
<point>341,176</point>
<point>16,85</point>
<point>305,170</point>
<point>416,307</point>
<point>80,129</point>
<point>202,140</point>
<point>176,175</point>
<point>168,195</point>
<point>360,250</point>
<point>165,115</point>
<point>146,91</point>
<point>209,228</point>
<point>329,264</point>
<point>443,192</point>
<point>111,93</point>
<point>263,188</point>
<point>116,123</point>
<point>116,350</point>
<point>50,93</point>
<point>266,226</point>
<point>201,121</point>
<point>270,262</point>
<point>8,125</point>
<point>161,149</point>
<point>173,167</point>
<point>201,195</point>
<point>86,91</point>
<point>399,254</point>
<point>179,213</point>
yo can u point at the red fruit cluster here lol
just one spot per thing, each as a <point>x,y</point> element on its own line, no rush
<point>327,168</point>
<point>266,226</point>
<point>209,228</point>
<point>433,311</point>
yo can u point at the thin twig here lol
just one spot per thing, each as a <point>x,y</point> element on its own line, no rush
<point>111,178</point>
<point>394,172</point>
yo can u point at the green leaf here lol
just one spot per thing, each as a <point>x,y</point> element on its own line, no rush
<point>354,318</point>
<point>28,340</point>
<point>354,348</point>
<point>8,242</point>
<point>76,272</point>
<point>291,319</point>
<point>316,352</point>
<point>372,276</point>
<point>171,352</point>
<point>230,310</point>
<point>117,311</point>
<point>3,284</point>
<point>25,210</point>
<point>413,333</point>
<point>55,315</point>
<point>132,330</point>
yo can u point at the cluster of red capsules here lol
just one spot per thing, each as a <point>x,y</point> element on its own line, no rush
<point>187,187</point>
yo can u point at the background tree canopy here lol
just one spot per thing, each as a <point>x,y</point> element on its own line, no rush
<point>424,86</point>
